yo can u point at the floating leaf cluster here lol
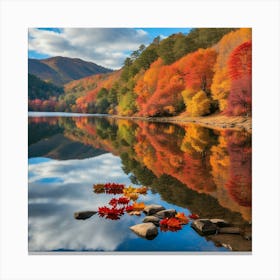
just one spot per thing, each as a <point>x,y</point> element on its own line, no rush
<point>120,205</point>
<point>109,188</point>
<point>175,223</point>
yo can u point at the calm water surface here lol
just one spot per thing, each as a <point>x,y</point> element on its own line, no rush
<point>189,168</point>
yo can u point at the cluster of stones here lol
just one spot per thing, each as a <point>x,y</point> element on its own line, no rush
<point>219,226</point>
<point>148,228</point>
<point>154,213</point>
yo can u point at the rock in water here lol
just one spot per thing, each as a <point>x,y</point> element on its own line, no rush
<point>169,213</point>
<point>204,226</point>
<point>146,230</point>
<point>151,219</point>
<point>152,209</point>
<point>84,215</point>
<point>220,222</point>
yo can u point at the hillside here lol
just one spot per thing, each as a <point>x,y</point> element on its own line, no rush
<point>38,89</point>
<point>61,70</point>
<point>207,71</point>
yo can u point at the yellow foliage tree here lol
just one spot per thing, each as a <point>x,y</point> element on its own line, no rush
<point>199,105</point>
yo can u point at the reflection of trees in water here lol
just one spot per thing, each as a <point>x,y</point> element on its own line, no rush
<point>40,128</point>
<point>182,153</point>
<point>192,159</point>
<point>231,169</point>
<point>240,178</point>
<point>173,191</point>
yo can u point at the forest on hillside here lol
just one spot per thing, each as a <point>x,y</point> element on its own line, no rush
<point>206,71</point>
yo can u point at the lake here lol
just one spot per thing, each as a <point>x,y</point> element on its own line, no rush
<point>189,168</point>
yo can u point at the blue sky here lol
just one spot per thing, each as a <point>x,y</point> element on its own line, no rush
<point>105,46</point>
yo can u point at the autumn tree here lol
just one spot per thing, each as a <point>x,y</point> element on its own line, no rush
<point>221,81</point>
<point>198,78</point>
<point>199,104</point>
<point>146,84</point>
<point>240,71</point>
<point>166,99</point>
<point>127,99</point>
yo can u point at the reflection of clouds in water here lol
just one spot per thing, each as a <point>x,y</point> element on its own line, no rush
<point>52,205</point>
<point>60,231</point>
<point>91,170</point>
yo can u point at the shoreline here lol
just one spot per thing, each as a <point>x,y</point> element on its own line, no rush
<point>217,121</point>
<point>214,122</point>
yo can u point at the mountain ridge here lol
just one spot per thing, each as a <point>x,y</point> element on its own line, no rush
<point>60,70</point>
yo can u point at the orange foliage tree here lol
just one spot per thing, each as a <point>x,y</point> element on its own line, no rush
<point>166,99</point>
<point>146,84</point>
<point>198,73</point>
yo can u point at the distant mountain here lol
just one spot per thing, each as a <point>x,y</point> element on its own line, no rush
<point>61,70</point>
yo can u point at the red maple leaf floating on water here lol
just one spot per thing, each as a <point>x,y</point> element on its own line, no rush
<point>114,188</point>
<point>111,213</point>
<point>170,224</point>
<point>193,216</point>
<point>129,208</point>
<point>116,201</point>
<point>123,200</point>
<point>113,202</point>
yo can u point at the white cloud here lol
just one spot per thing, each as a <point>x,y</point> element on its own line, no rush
<point>105,46</point>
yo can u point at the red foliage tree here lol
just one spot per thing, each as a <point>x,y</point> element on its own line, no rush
<point>240,70</point>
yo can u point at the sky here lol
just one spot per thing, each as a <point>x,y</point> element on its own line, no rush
<point>107,47</point>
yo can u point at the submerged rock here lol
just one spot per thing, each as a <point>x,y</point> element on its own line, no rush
<point>168,213</point>
<point>152,209</point>
<point>204,226</point>
<point>151,219</point>
<point>84,215</point>
<point>230,230</point>
<point>146,230</point>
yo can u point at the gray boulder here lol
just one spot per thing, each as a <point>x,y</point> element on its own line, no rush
<point>146,230</point>
<point>151,219</point>
<point>84,215</point>
<point>152,209</point>
<point>168,213</point>
<point>204,226</point>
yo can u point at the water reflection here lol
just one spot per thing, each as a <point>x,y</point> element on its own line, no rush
<point>206,171</point>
